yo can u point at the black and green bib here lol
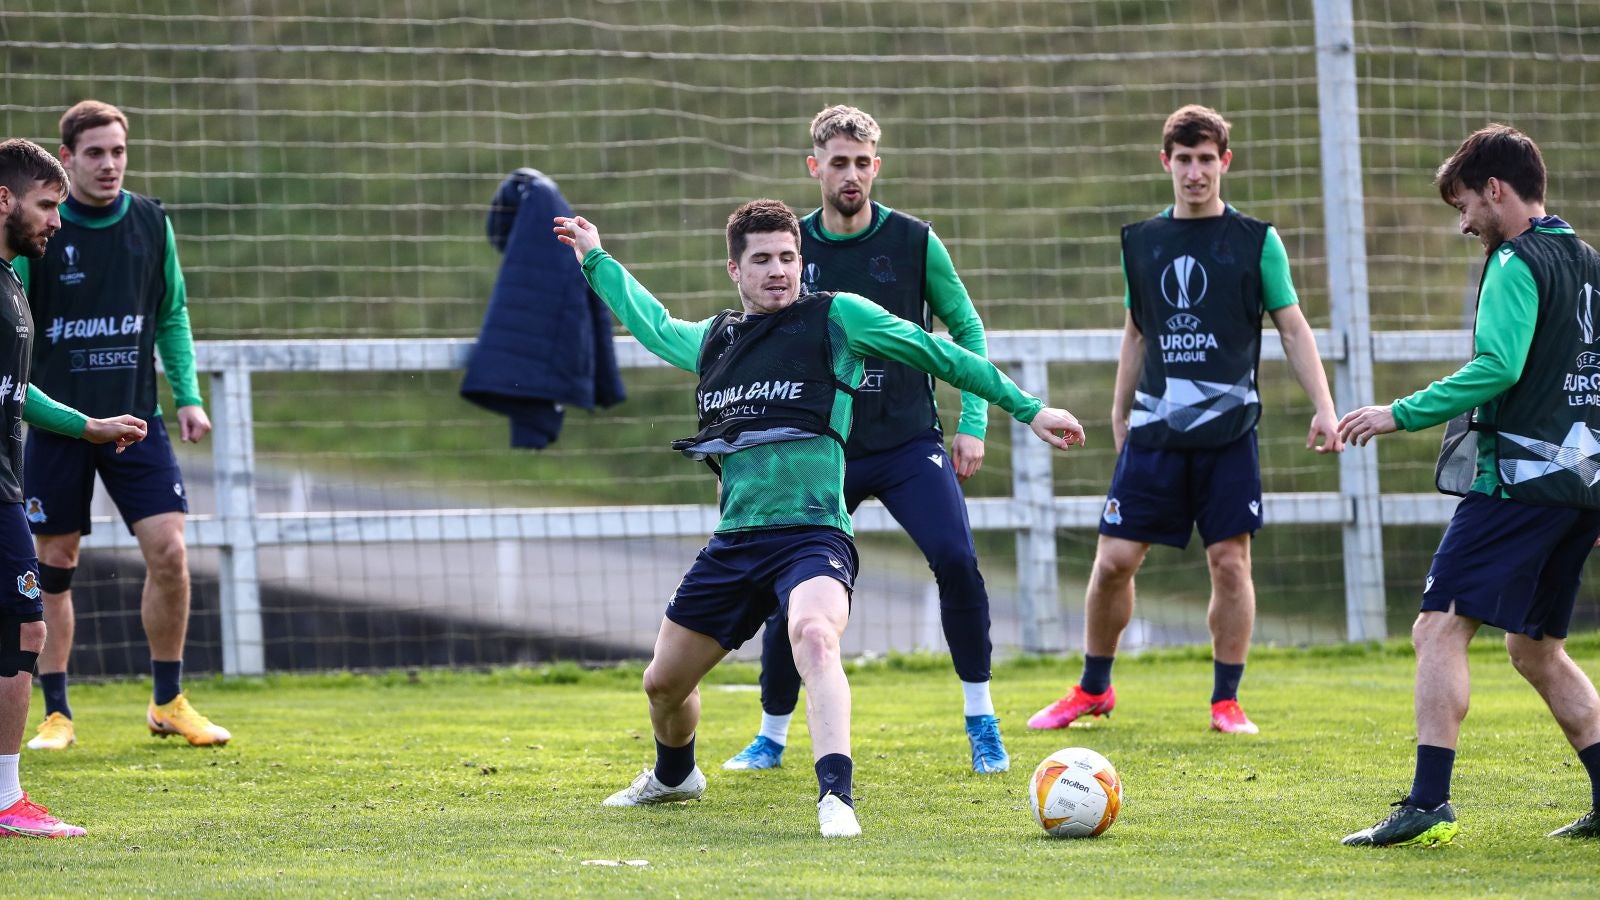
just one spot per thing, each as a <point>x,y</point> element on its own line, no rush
<point>887,263</point>
<point>1547,425</point>
<point>765,379</point>
<point>95,295</point>
<point>1195,292</point>
<point>16,350</point>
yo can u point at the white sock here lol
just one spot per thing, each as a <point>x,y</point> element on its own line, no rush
<point>775,728</point>
<point>978,701</point>
<point>10,787</point>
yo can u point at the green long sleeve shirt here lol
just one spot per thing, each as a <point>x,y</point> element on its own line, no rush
<point>802,482</point>
<point>42,412</point>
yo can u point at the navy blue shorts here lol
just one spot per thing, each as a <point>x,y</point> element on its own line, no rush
<point>58,479</point>
<point>1159,496</point>
<point>19,568</point>
<point>1512,565</point>
<point>742,576</point>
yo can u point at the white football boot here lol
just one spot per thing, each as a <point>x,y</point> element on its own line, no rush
<point>646,790</point>
<point>836,817</point>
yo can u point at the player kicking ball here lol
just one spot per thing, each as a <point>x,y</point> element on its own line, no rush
<point>777,381</point>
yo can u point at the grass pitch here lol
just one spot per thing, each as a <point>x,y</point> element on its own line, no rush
<point>490,783</point>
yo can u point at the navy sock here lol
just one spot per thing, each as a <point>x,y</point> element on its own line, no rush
<point>1431,786</point>
<point>1590,757</point>
<point>54,685</point>
<point>1225,680</point>
<point>834,772</point>
<point>673,764</point>
<point>1096,674</point>
<point>169,679</point>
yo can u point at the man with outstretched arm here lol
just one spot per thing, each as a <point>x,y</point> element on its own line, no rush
<point>896,448</point>
<point>32,185</point>
<point>1525,416</point>
<point>777,379</point>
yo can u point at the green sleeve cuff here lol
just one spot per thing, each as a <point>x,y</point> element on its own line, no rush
<point>42,412</point>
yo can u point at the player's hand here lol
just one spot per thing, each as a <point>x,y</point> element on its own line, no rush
<point>1057,427</point>
<point>124,431</point>
<point>1324,434</point>
<point>193,423</point>
<point>1362,425</point>
<point>966,452</point>
<point>578,233</point>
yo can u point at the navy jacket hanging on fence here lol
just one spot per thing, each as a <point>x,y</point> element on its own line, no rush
<point>546,338</point>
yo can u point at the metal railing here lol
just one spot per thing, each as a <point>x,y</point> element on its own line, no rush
<point>1033,511</point>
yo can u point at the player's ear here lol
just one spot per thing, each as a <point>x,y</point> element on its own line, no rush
<point>877,163</point>
<point>65,153</point>
<point>733,271</point>
<point>812,166</point>
<point>1166,162</point>
<point>1227,157</point>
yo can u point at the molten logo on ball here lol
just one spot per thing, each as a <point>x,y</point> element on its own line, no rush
<point>1075,793</point>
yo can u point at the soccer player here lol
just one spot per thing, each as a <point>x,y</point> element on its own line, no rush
<point>107,295</point>
<point>1513,554</point>
<point>1199,276</point>
<point>777,381</point>
<point>896,449</point>
<point>32,185</point>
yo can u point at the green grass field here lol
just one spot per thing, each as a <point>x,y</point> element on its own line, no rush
<point>490,783</point>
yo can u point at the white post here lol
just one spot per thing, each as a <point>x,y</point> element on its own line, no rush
<point>233,447</point>
<point>1033,489</point>
<point>1343,200</point>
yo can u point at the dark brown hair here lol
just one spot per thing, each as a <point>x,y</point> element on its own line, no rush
<point>1193,125</point>
<point>23,162</point>
<point>1494,151</point>
<point>87,114</point>
<point>759,217</point>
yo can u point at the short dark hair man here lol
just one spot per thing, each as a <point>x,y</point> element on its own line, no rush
<point>896,449</point>
<point>1184,416</point>
<point>777,378</point>
<point>1514,552</point>
<point>108,295</point>
<point>32,185</point>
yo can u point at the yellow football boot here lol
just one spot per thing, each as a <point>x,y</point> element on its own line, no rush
<point>178,717</point>
<point>55,733</point>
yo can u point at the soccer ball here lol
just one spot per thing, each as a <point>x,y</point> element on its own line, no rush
<point>1075,793</point>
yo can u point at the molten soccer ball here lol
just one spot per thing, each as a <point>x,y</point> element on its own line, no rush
<point>1075,793</point>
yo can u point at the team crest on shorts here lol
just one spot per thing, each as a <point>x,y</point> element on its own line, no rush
<point>28,585</point>
<point>177,488</point>
<point>35,510</point>
<point>1113,513</point>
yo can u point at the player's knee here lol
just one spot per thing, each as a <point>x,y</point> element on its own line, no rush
<point>814,639</point>
<point>960,583</point>
<point>20,643</point>
<point>660,688</point>
<point>1114,568</point>
<point>55,579</point>
<point>168,560</point>
<point>1529,657</point>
